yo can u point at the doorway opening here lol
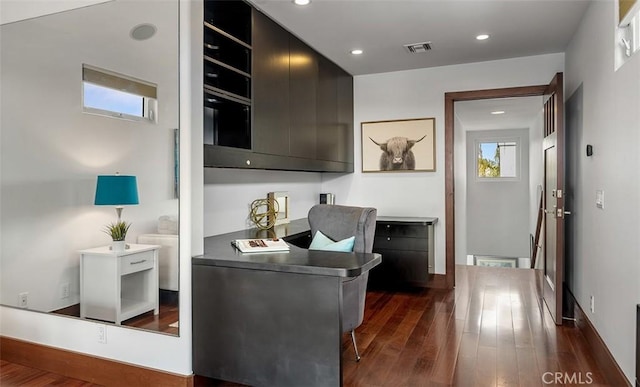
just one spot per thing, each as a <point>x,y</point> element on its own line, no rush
<point>449,133</point>
<point>497,166</point>
<point>553,186</point>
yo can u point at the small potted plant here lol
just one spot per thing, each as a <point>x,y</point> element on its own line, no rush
<point>118,232</point>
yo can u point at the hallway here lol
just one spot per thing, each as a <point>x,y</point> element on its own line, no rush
<point>489,331</point>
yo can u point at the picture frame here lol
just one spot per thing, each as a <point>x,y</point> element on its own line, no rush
<point>626,10</point>
<point>282,200</point>
<point>384,145</point>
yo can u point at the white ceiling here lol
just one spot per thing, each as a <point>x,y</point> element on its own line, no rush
<point>519,113</point>
<point>16,10</point>
<point>382,27</point>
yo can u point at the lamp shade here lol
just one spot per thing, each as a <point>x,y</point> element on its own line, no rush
<point>116,190</point>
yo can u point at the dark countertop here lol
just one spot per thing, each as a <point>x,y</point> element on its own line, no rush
<point>407,219</point>
<point>218,251</point>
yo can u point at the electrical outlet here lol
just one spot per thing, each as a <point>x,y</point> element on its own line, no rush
<point>64,290</point>
<point>102,334</point>
<point>23,300</point>
<point>592,305</point>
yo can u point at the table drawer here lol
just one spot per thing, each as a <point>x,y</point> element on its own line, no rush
<point>401,267</point>
<point>137,262</point>
<point>417,230</point>
<point>400,243</point>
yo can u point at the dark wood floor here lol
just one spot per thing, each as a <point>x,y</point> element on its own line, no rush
<point>14,375</point>
<point>489,331</point>
<point>168,314</point>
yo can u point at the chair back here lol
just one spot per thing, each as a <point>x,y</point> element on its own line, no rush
<point>340,222</point>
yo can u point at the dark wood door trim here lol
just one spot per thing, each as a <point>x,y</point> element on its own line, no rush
<point>449,120</point>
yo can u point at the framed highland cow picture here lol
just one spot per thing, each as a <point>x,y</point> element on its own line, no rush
<point>399,145</point>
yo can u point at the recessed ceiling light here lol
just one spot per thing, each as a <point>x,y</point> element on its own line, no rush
<point>301,2</point>
<point>497,112</point>
<point>357,52</point>
<point>143,31</point>
<point>482,37</point>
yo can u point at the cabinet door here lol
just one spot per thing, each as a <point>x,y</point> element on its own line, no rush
<point>303,88</point>
<point>270,77</point>
<point>401,268</point>
<point>328,136</point>
<point>345,116</point>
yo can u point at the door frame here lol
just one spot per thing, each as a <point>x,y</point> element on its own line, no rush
<point>449,121</point>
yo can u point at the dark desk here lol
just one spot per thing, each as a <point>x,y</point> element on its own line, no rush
<point>270,319</point>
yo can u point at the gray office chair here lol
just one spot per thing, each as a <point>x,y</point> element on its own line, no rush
<point>340,222</point>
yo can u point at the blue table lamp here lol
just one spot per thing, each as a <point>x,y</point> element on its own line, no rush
<point>116,190</point>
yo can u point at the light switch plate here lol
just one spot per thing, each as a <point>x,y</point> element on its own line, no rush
<point>600,198</point>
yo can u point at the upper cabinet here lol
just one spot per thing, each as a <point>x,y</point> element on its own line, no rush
<point>335,113</point>
<point>303,97</point>
<point>270,100</point>
<point>271,91</point>
<point>227,56</point>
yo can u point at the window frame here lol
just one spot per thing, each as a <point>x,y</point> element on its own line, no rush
<point>121,83</point>
<point>518,159</point>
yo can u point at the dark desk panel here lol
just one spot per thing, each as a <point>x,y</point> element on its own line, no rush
<point>270,319</point>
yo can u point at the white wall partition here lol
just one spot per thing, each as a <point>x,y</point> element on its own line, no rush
<point>606,246</point>
<point>148,349</point>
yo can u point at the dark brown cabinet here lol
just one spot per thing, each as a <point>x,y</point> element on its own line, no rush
<point>407,249</point>
<point>327,105</point>
<point>345,117</point>
<point>290,109</point>
<point>303,90</point>
<point>271,87</point>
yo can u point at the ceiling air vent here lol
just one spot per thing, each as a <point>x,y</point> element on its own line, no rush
<point>418,47</point>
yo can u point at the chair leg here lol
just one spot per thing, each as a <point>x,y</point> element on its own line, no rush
<point>355,347</point>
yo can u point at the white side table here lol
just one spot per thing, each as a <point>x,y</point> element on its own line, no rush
<point>115,286</point>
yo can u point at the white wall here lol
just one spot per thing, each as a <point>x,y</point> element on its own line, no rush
<point>416,94</point>
<point>147,349</point>
<point>606,244</point>
<point>536,180</point>
<point>52,151</point>
<point>228,194</point>
<point>536,175</point>
<point>497,210</point>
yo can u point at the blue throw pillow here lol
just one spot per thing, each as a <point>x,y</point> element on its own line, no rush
<point>322,242</point>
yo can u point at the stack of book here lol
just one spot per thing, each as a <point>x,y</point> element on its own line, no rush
<point>260,245</point>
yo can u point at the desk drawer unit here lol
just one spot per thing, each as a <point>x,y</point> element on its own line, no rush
<point>406,245</point>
